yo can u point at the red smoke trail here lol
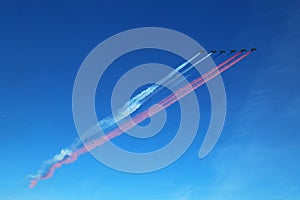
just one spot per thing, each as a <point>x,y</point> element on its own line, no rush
<point>201,80</point>
<point>190,86</point>
<point>144,115</point>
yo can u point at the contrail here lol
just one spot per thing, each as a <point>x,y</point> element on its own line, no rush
<point>71,157</point>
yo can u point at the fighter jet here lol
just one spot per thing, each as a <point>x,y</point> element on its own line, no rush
<point>243,50</point>
<point>222,51</point>
<point>253,49</point>
<point>213,51</point>
<point>232,51</point>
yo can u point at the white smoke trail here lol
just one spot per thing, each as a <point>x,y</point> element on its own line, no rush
<point>57,158</point>
<point>186,70</point>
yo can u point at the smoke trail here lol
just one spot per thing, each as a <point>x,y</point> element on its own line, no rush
<point>58,157</point>
<point>219,66</point>
<point>128,108</point>
<point>71,157</point>
<point>201,80</point>
<point>177,76</point>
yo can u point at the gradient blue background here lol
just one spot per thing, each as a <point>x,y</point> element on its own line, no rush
<point>42,45</point>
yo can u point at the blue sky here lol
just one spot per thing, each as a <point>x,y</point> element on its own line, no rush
<point>257,156</point>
